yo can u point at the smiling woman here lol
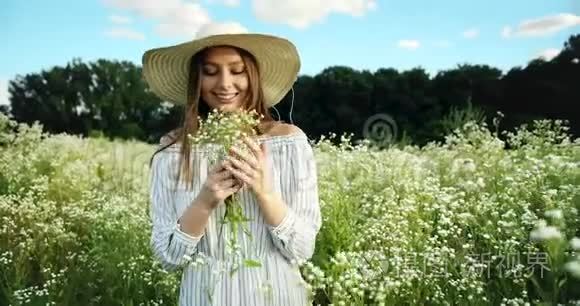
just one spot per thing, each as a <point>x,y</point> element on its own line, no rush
<point>226,77</point>
<point>232,72</point>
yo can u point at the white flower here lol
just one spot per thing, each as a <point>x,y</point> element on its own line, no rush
<point>575,243</point>
<point>480,182</point>
<point>554,214</point>
<point>574,268</point>
<point>463,165</point>
<point>545,233</point>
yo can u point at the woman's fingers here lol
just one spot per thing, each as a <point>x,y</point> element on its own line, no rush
<point>220,171</point>
<point>224,180</point>
<point>234,189</point>
<point>223,175</point>
<point>228,183</point>
<point>233,182</point>
<point>216,168</point>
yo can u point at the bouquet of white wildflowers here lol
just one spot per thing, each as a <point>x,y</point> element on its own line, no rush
<point>226,129</point>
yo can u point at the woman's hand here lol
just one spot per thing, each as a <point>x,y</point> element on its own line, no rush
<point>251,169</point>
<point>219,185</point>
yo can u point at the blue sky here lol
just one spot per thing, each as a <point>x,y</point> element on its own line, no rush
<point>363,34</point>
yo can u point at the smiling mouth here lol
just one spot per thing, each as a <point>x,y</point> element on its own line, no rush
<point>226,98</point>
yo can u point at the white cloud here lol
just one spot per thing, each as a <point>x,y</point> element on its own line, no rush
<point>303,13</point>
<point>542,26</point>
<point>229,3</point>
<point>148,8</point>
<point>4,91</point>
<point>174,17</point>
<point>409,44</point>
<point>220,28</point>
<point>116,19</point>
<point>125,33</point>
<point>471,33</point>
<point>185,21</point>
<point>548,54</point>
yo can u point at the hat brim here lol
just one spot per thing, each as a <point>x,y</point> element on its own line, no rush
<point>166,70</point>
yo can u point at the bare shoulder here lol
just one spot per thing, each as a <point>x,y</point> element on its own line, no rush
<point>169,137</point>
<point>284,129</point>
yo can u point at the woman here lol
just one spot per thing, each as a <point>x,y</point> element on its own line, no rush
<point>230,72</point>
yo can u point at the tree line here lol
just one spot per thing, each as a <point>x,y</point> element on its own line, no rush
<point>109,98</point>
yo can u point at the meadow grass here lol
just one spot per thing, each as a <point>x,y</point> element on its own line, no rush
<point>461,222</point>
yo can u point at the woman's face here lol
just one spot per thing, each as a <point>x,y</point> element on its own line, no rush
<point>224,80</point>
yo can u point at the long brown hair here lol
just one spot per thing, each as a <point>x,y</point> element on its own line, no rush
<point>195,107</point>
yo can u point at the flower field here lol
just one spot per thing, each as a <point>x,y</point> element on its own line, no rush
<point>471,221</point>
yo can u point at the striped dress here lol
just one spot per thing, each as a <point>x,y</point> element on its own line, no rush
<point>206,261</point>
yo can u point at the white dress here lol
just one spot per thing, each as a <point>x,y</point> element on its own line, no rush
<point>206,279</point>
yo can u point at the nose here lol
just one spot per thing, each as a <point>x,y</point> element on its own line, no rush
<point>225,81</point>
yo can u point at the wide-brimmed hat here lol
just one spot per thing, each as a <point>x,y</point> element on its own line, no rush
<point>166,69</point>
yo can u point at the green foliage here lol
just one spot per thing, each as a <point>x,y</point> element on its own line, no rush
<point>457,118</point>
<point>449,223</point>
<point>96,134</point>
<point>461,222</point>
<point>74,222</point>
<point>110,96</point>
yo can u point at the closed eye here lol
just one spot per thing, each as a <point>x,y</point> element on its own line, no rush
<point>207,71</point>
<point>240,71</point>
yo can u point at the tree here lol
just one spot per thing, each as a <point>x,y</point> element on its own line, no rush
<point>545,89</point>
<point>107,96</point>
<point>5,110</point>
<point>110,97</point>
<point>343,96</point>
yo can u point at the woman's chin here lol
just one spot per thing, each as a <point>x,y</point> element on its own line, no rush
<point>228,107</point>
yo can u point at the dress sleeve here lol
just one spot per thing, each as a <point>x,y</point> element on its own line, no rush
<point>295,236</point>
<point>172,247</point>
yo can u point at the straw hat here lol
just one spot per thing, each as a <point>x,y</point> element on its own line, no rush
<point>166,69</point>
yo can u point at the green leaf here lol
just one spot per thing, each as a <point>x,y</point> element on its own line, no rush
<point>247,232</point>
<point>233,271</point>
<point>250,263</point>
<point>562,282</point>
